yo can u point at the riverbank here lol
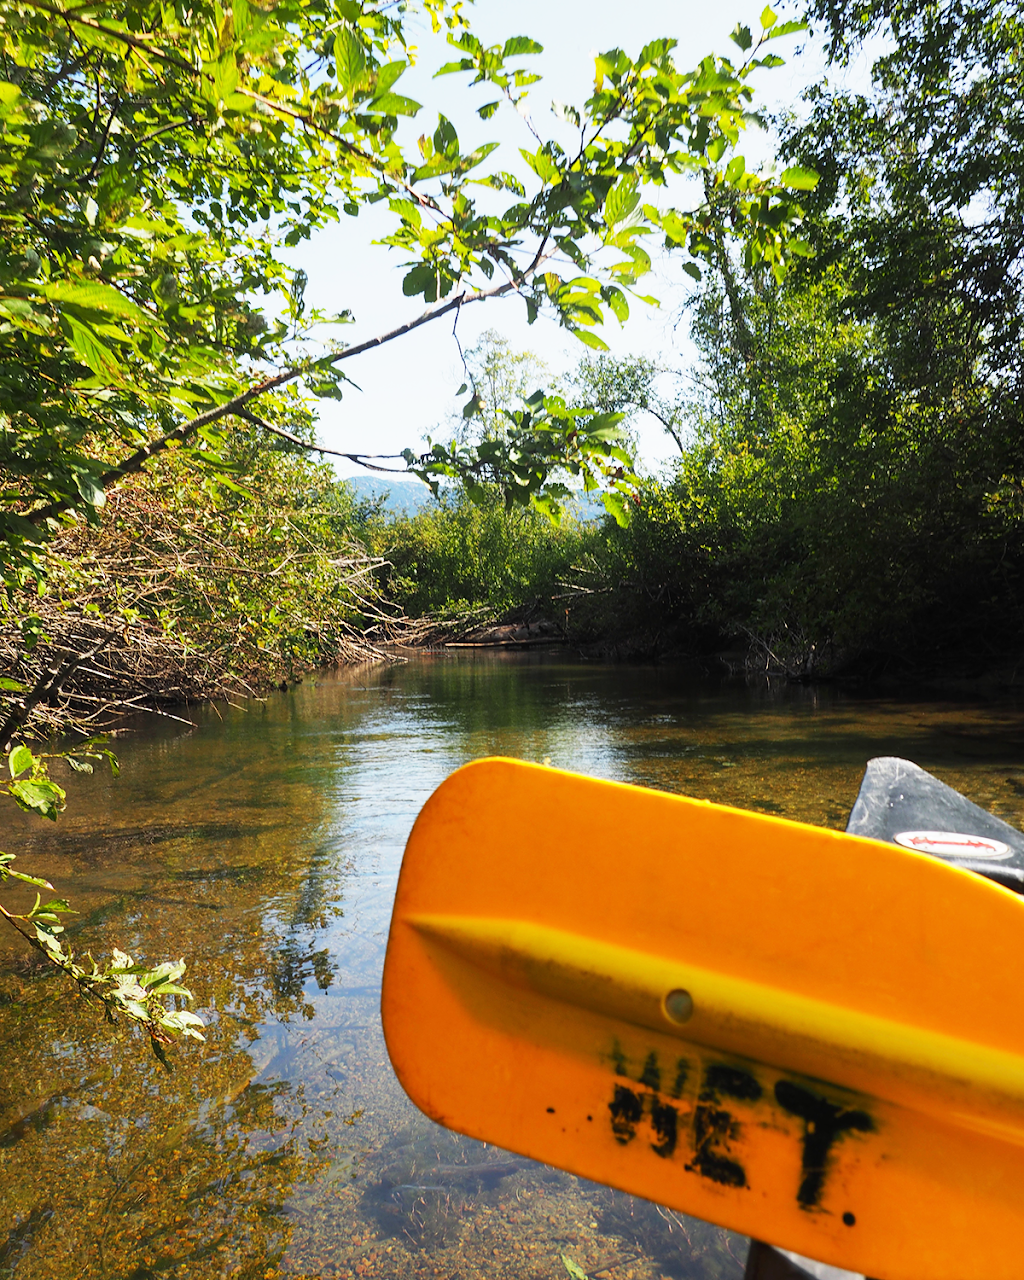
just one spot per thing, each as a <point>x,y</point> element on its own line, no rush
<point>174,602</point>
<point>87,676</point>
<point>831,583</point>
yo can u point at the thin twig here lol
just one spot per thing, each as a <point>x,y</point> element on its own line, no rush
<point>358,458</point>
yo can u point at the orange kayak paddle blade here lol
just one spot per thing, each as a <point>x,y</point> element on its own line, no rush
<point>809,1037</point>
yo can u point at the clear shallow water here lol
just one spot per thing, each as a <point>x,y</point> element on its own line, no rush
<point>264,846</point>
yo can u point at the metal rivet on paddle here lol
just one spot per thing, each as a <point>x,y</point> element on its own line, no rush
<point>679,1005</point>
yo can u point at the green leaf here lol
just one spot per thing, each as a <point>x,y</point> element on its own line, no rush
<point>605,435</point>
<point>548,504</point>
<point>18,875</point>
<point>515,45</point>
<point>350,60</point>
<point>389,74</point>
<point>622,200</point>
<point>169,971</point>
<point>445,139</point>
<point>95,297</point>
<point>655,51</point>
<point>393,104</point>
<point>42,797</point>
<point>741,36</point>
<point>422,279</point>
<point>615,505</point>
<point>21,313</point>
<point>799,179</point>
<point>451,68</point>
<point>590,339</point>
<point>542,165</point>
<point>616,299</point>
<point>89,488</point>
<point>242,16</point>
<point>788,28</point>
<point>768,19</point>
<point>184,1021</point>
<point>477,156</point>
<point>225,76</point>
<point>488,109</point>
<point>20,759</point>
<point>735,169</point>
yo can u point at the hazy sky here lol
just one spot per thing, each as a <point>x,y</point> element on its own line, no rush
<point>408,386</point>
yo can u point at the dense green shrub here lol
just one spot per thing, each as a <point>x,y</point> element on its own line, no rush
<point>458,555</point>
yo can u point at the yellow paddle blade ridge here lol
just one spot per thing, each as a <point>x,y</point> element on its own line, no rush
<point>979,1087</point>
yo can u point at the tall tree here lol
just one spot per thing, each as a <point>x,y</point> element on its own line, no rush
<point>922,200</point>
<point>922,192</point>
<point>501,378</point>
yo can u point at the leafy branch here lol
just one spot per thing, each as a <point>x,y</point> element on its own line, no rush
<point>128,327</point>
<point>122,986</point>
<point>542,446</point>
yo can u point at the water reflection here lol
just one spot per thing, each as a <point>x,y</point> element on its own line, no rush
<point>264,846</point>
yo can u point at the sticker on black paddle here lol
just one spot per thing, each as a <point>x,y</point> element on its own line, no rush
<point>953,844</point>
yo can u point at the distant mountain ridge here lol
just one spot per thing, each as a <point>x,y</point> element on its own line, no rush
<point>401,497</point>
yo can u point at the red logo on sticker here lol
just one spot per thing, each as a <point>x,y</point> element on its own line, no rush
<point>953,844</point>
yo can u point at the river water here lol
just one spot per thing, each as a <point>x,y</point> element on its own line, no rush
<point>264,845</point>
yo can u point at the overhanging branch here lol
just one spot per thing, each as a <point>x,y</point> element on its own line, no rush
<point>360,459</point>
<point>136,461</point>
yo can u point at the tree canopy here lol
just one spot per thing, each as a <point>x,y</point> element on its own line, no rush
<point>850,489</point>
<point>158,160</point>
<point>922,187</point>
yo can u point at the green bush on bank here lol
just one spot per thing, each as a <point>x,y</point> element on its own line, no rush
<point>458,555</point>
<point>810,558</point>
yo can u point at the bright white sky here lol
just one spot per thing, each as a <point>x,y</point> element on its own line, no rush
<point>408,386</point>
